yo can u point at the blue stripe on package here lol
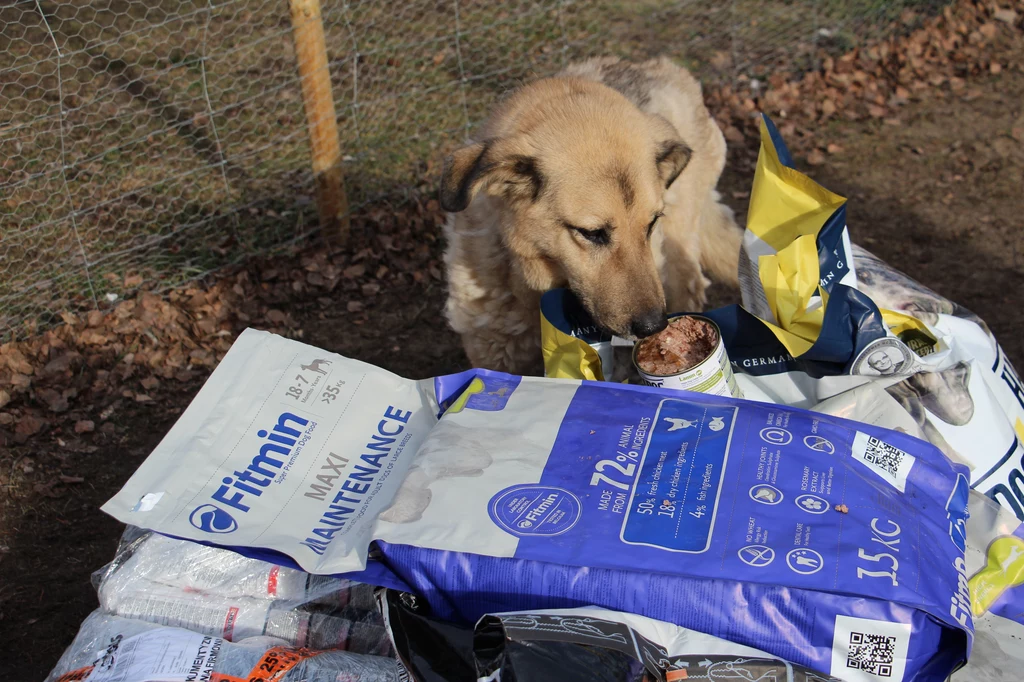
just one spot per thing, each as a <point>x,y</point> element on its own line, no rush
<point>830,543</point>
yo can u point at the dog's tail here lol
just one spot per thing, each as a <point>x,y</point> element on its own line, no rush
<point>720,240</point>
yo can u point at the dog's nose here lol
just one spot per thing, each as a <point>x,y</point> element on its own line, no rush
<point>648,324</point>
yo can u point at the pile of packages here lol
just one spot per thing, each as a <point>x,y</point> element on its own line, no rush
<point>855,517</point>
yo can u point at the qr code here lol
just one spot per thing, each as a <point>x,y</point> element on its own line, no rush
<point>869,650</point>
<point>871,653</point>
<point>884,456</point>
<point>886,460</point>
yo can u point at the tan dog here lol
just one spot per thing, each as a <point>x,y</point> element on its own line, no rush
<point>600,180</point>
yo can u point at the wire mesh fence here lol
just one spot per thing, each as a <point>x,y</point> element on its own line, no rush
<point>144,143</point>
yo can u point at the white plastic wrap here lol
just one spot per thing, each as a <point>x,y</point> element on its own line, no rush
<point>995,562</point>
<point>109,648</point>
<point>218,593</point>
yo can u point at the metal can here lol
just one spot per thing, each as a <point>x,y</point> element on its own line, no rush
<point>711,375</point>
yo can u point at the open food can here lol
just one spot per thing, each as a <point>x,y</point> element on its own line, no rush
<point>688,355</point>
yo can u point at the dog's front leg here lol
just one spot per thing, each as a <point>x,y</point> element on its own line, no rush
<point>516,353</point>
<point>681,274</point>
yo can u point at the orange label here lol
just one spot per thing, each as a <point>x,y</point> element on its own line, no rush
<point>673,675</point>
<point>274,665</point>
<point>229,623</point>
<point>76,675</point>
<point>272,581</point>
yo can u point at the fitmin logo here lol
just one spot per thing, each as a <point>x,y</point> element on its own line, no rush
<point>238,490</point>
<point>210,518</point>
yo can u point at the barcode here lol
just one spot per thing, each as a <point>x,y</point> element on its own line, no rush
<point>880,656</point>
<point>886,460</point>
<point>871,653</point>
<point>884,456</point>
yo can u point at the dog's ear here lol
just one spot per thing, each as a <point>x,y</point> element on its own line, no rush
<point>495,162</point>
<point>461,175</point>
<point>673,156</point>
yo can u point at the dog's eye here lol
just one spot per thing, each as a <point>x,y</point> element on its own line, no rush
<point>599,237</point>
<point>654,221</point>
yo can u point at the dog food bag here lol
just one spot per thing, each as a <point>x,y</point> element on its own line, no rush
<point>573,346</point>
<point>196,568</point>
<point>995,564</point>
<point>220,593</point>
<point>587,644</point>
<point>486,493</point>
<point>995,553</point>
<point>109,648</point>
<point>235,618</point>
<point>821,316</point>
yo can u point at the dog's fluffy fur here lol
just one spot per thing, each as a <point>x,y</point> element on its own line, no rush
<point>561,190</point>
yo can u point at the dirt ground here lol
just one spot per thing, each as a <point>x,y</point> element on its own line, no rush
<point>939,196</point>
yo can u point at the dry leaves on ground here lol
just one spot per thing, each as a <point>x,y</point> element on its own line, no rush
<point>875,81</point>
<point>76,375</point>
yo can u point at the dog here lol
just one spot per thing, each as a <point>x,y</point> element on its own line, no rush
<point>600,179</point>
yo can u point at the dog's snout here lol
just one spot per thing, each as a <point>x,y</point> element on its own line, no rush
<point>648,324</point>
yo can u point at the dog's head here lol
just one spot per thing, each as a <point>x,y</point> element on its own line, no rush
<point>579,176</point>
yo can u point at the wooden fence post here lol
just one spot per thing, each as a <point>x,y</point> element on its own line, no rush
<point>321,119</point>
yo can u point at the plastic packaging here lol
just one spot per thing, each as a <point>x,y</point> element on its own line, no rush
<point>994,554</point>
<point>430,649</point>
<point>485,492</point>
<point>220,593</point>
<point>572,344</point>
<point>586,644</point>
<point>995,564</point>
<point>821,316</point>
<point>109,648</point>
<point>191,567</point>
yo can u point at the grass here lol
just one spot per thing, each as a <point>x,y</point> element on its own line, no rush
<point>168,139</point>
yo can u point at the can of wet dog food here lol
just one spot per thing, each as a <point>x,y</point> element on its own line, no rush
<point>688,355</point>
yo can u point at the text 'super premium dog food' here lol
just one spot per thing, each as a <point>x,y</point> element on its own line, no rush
<point>833,544</point>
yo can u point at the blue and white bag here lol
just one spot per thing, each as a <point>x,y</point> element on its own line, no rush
<point>833,544</point>
<point>822,316</point>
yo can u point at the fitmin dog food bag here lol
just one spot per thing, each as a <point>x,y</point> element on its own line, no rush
<point>995,566</point>
<point>832,544</point>
<point>994,557</point>
<point>822,316</point>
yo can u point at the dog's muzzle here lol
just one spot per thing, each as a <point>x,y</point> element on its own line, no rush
<point>648,324</point>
